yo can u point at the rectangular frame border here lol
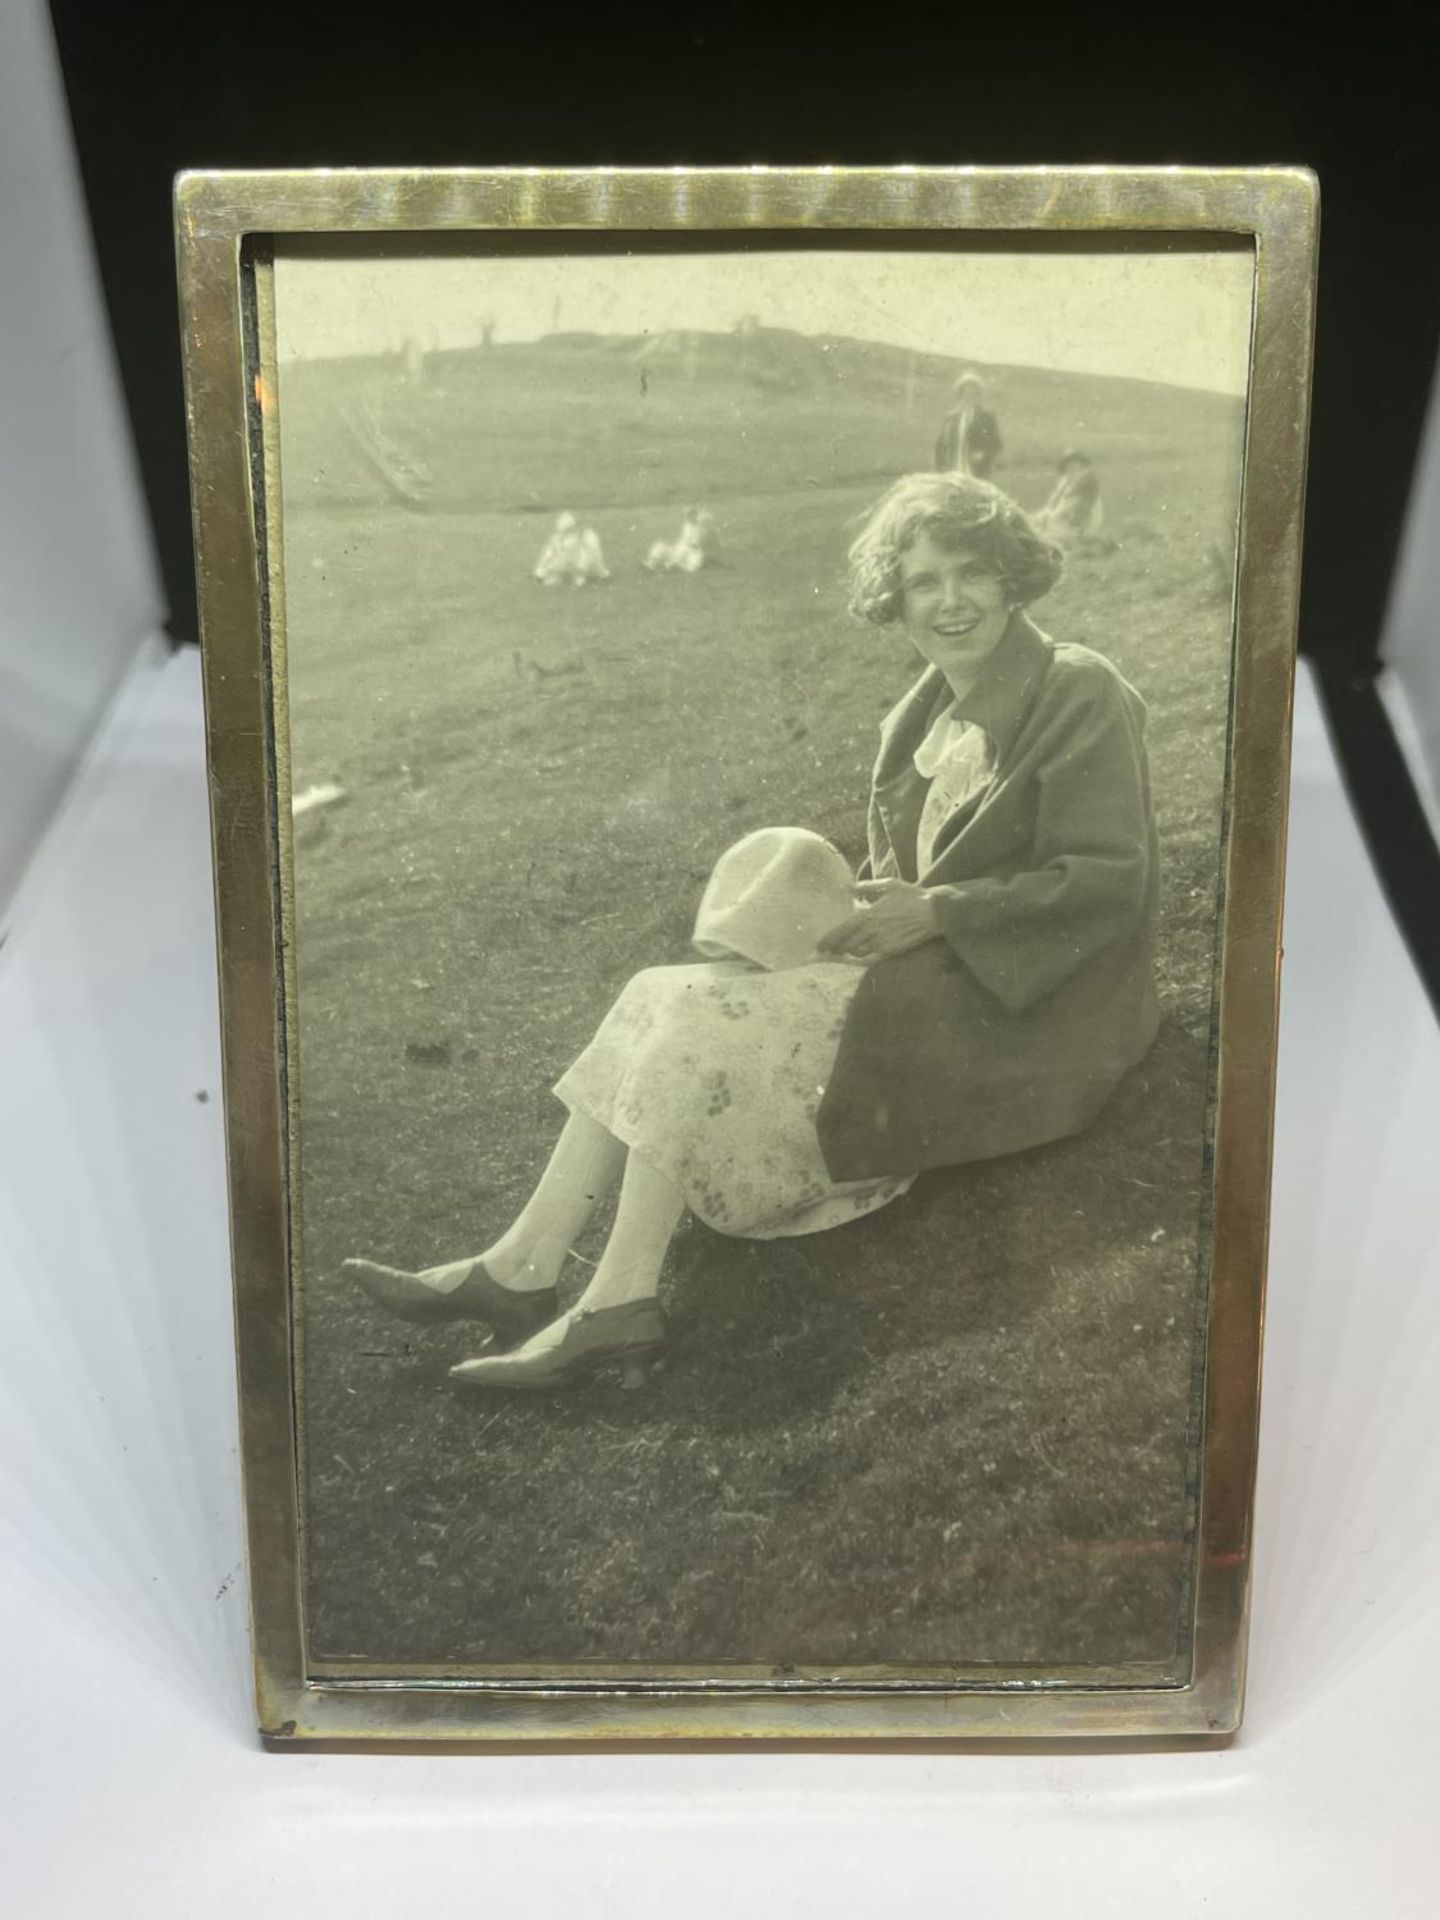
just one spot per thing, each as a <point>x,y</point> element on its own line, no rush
<point>216,214</point>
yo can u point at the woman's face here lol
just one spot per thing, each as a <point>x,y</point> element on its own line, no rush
<point>954,606</point>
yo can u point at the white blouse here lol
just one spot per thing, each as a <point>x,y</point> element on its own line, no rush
<point>958,759</point>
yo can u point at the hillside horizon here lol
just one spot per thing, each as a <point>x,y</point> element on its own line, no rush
<point>792,357</point>
<point>633,421</point>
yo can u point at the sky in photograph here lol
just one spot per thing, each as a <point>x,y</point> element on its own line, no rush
<point>1183,318</point>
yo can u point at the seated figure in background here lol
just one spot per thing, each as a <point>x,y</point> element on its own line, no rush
<point>1073,517</point>
<point>572,555</point>
<point>691,548</point>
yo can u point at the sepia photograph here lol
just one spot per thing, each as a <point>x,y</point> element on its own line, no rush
<point>754,724</point>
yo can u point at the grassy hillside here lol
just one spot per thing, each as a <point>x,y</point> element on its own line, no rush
<point>545,426</point>
<point>956,1431</point>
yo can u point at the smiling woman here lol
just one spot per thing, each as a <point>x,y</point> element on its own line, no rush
<point>989,994</point>
<point>955,608</point>
<point>1013,861</point>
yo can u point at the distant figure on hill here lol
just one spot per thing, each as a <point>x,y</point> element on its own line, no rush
<point>969,441</point>
<point>691,549</point>
<point>571,556</point>
<point>1074,517</point>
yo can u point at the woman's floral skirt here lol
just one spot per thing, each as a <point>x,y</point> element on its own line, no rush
<point>713,1075</point>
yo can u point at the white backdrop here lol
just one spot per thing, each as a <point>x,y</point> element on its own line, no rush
<point>78,588</point>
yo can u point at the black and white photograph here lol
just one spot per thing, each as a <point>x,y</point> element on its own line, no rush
<point>755,718</point>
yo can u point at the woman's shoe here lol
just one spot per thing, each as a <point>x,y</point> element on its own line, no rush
<point>511,1316</point>
<point>629,1337</point>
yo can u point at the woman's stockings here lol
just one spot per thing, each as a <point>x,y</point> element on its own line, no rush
<point>583,1168</point>
<point>646,1217</point>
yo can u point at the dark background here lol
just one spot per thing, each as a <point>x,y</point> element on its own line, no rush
<point>154,88</point>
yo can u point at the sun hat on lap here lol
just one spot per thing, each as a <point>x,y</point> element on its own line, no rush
<point>772,896</point>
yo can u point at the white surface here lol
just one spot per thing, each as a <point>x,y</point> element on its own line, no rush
<point>1410,642</point>
<point>133,1785</point>
<point>78,588</point>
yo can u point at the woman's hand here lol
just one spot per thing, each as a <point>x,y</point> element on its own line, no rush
<point>897,915</point>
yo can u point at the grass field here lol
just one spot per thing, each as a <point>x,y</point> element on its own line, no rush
<point>959,1431</point>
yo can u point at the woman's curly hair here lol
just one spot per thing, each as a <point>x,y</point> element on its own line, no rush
<point>953,510</point>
